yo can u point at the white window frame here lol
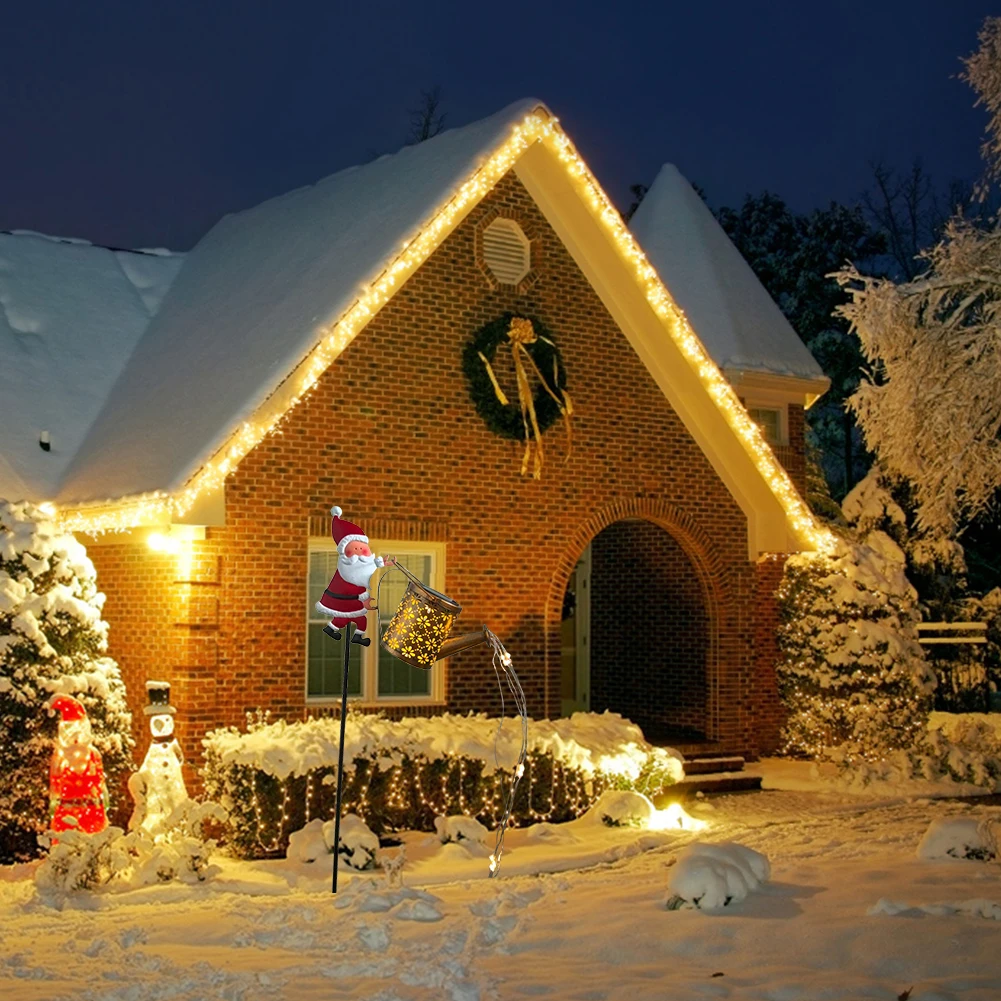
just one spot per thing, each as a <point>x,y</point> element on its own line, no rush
<point>766,401</point>
<point>369,655</point>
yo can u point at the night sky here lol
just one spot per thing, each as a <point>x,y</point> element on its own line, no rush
<point>139,124</point>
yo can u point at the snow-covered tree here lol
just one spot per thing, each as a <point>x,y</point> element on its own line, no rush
<point>851,672</point>
<point>52,640</point>
<point>936,566</point>
<point>932,413</point>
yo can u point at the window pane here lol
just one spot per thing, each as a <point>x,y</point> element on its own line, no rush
<point>325,662</point>
<point>768,421</point>
<point>395,677</point>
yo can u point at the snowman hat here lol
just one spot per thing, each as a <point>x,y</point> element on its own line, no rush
<point>343,531</point>
<point>158,693</point>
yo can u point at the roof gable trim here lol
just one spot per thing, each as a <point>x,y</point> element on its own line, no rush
<point>537,126</point>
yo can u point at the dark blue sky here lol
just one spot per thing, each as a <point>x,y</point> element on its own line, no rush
<point>140,124</point>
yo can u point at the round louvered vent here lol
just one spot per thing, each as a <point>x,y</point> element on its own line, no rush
<point>507,251</point>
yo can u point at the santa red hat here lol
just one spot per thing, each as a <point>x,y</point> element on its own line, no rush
<point>69,708</point>
<point>343,531</point>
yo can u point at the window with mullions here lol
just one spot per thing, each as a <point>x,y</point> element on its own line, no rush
<point>769,419</point>
<point>373,674</point>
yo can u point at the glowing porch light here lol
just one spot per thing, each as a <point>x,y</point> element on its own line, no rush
<point>161,543</point>
<point>674,818</point>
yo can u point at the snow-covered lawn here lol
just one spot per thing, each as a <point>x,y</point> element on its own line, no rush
<point>578,913</point>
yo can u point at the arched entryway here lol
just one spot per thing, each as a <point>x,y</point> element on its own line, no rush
<point>638,629</point>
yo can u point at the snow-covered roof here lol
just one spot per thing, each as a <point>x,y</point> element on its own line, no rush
<point>728,307</point>
<point>70,316</point>
<point>251,301</point>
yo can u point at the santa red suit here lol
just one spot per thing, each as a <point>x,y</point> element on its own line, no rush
<point>348,588</point>
<point>76,776</point>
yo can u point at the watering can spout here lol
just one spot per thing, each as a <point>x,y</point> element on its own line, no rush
<point>463,642</point>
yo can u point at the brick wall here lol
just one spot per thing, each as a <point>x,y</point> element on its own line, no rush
<point>390,434</point>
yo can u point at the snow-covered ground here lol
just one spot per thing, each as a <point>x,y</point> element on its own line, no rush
<point>578,913</point>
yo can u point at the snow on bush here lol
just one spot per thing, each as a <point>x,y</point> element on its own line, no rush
<point>52,641</point>
<point>308,843</point>
<point>622,808</point>
<point>959,837</point>
<point>851,672</point>
<point>402,774</point>
<point>460,828</point>
<point>956,750</point>
<point>358,845</point>
<point>711,876</point>
<point>115,860</point>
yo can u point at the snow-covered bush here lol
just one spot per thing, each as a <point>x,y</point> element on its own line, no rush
<point>709,877</point>
<point>460,828</point>
<point>358,845</point>
<point>402,774</point>
<point>959,837</point>
<point>115,860</point>
<point>52,640</point>
<point>622,808</point>
<point>851,672</point>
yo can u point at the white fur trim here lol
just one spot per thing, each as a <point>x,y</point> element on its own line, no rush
<point>336,511</point>
<point>333,613</point>
<point>350,538</point>
<point>364,595</point>
<point>379,561</point>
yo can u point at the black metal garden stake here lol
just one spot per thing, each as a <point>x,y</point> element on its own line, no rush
<point>340,749</point>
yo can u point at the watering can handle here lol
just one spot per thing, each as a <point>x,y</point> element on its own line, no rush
<point>406,573</point>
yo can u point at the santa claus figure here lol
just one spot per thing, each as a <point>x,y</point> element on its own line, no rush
<point>78,794</point>
<point>158,787</point>
<point>347,597</point>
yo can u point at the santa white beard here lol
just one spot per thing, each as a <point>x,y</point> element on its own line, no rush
<point>356,570</point>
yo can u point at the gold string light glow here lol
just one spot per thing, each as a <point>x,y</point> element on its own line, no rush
<point>536,127</point>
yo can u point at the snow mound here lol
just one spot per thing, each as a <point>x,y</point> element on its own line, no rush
<point>358,845</point>
<point>959,837</point>
<point>308,844</point>
<point>461,828</point>
<point>622,808</point>
<point>709,877</point>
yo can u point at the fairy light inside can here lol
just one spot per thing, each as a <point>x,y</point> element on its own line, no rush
<point>421,625</point>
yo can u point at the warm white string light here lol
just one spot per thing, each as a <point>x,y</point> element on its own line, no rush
<point>536,127</point>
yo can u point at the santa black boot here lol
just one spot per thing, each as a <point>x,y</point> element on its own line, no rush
<point>361,640</point>
<point>331,631</point>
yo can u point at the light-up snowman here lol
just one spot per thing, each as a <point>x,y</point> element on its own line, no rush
<point>158,786</point>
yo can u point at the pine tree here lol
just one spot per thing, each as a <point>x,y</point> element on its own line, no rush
<point>52,640</point>
<point>851,671</point>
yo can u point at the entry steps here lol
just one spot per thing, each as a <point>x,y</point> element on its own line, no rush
<point>713,772</point>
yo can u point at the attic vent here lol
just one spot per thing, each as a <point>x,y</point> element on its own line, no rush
<point>507,251</point>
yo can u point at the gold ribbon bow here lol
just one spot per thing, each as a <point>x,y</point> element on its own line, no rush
<point>520,334</point>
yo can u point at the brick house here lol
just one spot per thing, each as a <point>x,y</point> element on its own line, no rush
<point>308,352</point>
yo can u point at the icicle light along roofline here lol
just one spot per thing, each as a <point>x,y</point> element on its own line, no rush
<point>536,127</point>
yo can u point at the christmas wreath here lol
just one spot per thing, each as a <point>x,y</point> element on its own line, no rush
<point>533,351</point>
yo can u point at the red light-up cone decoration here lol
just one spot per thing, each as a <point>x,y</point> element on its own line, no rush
<point>78,794</point>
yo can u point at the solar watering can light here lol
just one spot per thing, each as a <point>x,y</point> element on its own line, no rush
<point>418,635</point>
